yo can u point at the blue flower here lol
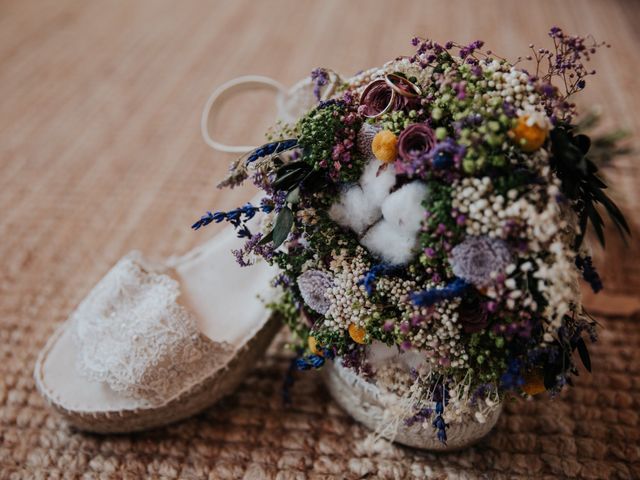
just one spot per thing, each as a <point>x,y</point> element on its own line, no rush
<point>309,362</point>
<point>369,279</point>
<point>430,297</point>
<point>236,217</point>
<point>512,379</point>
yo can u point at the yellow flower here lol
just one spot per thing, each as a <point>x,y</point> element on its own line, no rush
<point>534,382</point>
<point>313,345</point>
<point>357,333</point>
<point>529,135</point>
<point>385,146</point>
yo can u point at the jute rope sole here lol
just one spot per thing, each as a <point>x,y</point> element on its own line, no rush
<point>220,383</point>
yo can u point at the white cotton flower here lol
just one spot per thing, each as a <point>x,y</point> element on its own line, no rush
<point>398,215</point>
<point>403,208</point>
<point>385,240</point>
<point>359,205</point>
<point>375,183</point>
<point>353,210</point>
<point>394,237</point>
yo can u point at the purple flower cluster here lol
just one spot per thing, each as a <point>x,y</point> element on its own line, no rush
<point>253,245</point>
<point>565,63</point>
<point>341,154</point>
<point>320,77</point>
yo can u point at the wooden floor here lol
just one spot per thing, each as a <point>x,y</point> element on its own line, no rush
<point>100,149</point>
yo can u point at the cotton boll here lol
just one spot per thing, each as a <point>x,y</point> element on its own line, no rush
<point>391,244</point>
<point>354,210</point>
<point>380,354</point>
<point>412,360</point>
<point>403,208</point>
<point>376,186</point>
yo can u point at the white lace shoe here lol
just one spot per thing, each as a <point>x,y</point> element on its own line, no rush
<point>152,344</point>
<point>155,343</point>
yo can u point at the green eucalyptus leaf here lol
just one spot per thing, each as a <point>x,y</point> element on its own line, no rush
<point>596,221</point>
<point>294,195</point>
<point>266,239</point>
<point>282,227</point>
<point>289,179</point>
<point>584,354</point>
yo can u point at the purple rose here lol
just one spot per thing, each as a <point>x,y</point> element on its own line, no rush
<point>415,140</point>
<point>473,317</point>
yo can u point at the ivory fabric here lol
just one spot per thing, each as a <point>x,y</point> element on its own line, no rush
<point>100,153</point>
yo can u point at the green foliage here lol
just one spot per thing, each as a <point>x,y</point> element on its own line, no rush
<point>581,184</point>
<point>289,311</point>
<point>320,131</point>
<point>439,208</point>
<point>487,356</point>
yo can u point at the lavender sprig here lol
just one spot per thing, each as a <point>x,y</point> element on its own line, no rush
<point>271,149</point>
<point>236,217</point>
<point>430,297</point>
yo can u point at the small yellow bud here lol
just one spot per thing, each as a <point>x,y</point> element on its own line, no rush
<point>357,333</point>
<point>529,136</point>
<point>534,382</point>
<point>385,146</point>
<point>313,345</point>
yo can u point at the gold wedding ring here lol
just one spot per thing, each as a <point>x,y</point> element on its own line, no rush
<point>396,82</point>
<point>385,109</point>
<point>399,86</point>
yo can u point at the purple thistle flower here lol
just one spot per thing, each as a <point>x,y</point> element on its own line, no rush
<point>477,257</point>
<point>313,284</point>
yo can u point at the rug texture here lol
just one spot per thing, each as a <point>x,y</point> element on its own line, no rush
<point>100,154</point>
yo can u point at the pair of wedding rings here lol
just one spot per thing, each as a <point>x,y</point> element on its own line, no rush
<point>399,86</point>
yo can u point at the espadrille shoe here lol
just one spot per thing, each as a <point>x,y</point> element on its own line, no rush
<point>155,343</point>
<point>152,344</point>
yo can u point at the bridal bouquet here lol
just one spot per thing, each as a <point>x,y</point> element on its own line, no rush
<point>437,207</point>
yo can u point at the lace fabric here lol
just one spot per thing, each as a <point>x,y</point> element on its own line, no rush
<point>132,334</point>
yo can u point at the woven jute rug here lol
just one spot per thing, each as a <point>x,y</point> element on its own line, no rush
<point>100,153</point>
<point>591,432</point>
